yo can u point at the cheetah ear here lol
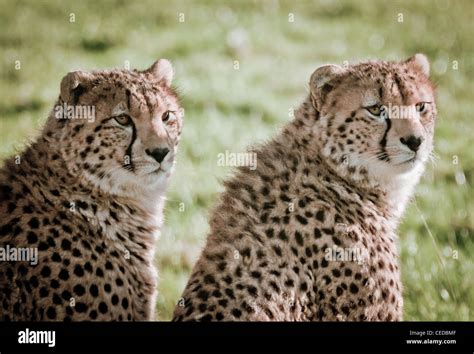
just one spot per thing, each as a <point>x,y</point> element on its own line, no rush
<point>320,81</point>
<point>420,63</point>
<point>163,71</point>
<point>73,85</point>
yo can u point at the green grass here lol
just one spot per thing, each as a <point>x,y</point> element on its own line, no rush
<point>227,109</point>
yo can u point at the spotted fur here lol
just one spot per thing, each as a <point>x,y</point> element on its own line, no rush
<point>89,194</point>
<point>336,176</point>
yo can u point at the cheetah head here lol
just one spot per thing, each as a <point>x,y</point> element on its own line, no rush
<point>119,129</point>
<point>376,118</point>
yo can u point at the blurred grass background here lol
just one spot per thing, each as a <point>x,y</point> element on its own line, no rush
<point>229,108</point>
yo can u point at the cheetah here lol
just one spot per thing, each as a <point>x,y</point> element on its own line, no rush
<point>310,234</point>
<point>87,195</point>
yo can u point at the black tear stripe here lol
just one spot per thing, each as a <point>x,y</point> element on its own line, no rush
<point>129,149</point>
<point>128,94</point>
<point>383,143</point>
<point>128,152</point>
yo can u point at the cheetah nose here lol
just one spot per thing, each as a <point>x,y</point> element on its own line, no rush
<point>158,153</point>
<point>412,142</point>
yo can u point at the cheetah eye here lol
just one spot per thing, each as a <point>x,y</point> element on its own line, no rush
<point>375,110</point>
<point>168,115</point>
<point>420,107</point>
<point>123,119</point>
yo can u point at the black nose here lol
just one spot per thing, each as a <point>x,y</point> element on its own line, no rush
<point>412,142</point>
<point>158,154</point>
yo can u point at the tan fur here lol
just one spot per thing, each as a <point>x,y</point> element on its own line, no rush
<point>335,176</point>
<point>89,197</point>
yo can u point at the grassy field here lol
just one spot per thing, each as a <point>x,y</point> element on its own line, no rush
<point>240,66</point>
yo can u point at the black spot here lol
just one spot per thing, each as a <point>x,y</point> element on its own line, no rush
<point>203,295</point>
<point>76,253</point>
<point>354,289</point>
<point>63,274</point>
<point>282,235</point>
<point>66,295</point>
<point>94,290</point>
<point>301,219</point>
<point>115,299</point>
<point>299,238</point>
<point>45,272</point>
<point>79,290</point>
<point>80,307</point>
<point>230,293</point>
<point>209,279</point>
<point>66,244</point>
<point>78,270</point>
<point>88,267</point>
<point>345,310</point>
<point>57,299</point>
<point>43,246</point>
<point>54,284</point>
<point>317,233</point>
<point>27,209</point>
<point>274,286</point>
<point>51,313</point>
<point>320,215</point>
<point>277,250</point>
<point>33,223</point>
<point>103,307</point>
<point>256,275</point>
<point>269,233</point>
<point>6,229</point>
<point>216,293</point>
<point>125,303</point>
<point>44,292</point>
<point>237,313</point>
<point>56,257</point>
<point>67,229</point>
<point>31,237</point>
<point>202,307</point>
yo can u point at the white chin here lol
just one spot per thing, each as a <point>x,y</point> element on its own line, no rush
<point>156,179</point>
<point>405,167</point>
